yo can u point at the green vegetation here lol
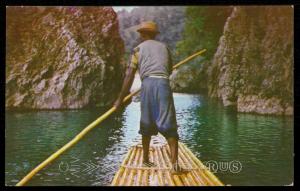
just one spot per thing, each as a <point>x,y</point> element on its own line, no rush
<point>203,27</point>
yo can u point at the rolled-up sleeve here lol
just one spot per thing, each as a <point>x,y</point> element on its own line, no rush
<point>134,58</point>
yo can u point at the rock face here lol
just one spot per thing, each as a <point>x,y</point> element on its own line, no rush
<point>253,66</point>
<point>170,21</point>
<point>62,57</point>
<point>191,78</point>
<point>204,26</point>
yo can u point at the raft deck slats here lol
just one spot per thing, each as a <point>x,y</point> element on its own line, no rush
<point>132,173</point>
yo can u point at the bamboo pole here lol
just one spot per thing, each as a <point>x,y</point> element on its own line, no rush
<point>172,180</point>
<point>130,180</point>
<point>132,177</point>
<point>185,161</point>
<point>198,175</point>
<point>120,171</point>
<point>151,172</point>
<point>146,178</point>
<point>183,176</point>
<point>159,172</point>
<point>199,172</point>
<point>125,175</point>
<point>88,128</point>
<point>165,154</point>
<point>212,177</point>
<point>139,164</point>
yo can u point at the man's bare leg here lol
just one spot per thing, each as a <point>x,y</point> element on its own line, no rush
<point>146,143</point>
<point>173,144</point>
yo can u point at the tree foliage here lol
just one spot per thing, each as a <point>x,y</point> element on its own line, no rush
<point>203,28</point>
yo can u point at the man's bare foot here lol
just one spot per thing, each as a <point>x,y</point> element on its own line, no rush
<point>176,169</point>
<point>148,164</point>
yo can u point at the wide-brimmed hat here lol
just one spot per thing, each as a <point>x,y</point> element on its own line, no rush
<point>148,26</point>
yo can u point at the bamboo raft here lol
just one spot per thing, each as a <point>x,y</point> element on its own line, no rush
<point>132,173</point>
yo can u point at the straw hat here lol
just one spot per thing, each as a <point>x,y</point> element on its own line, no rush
<point>149,26</point>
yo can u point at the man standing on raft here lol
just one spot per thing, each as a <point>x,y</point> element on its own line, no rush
<point>153,59</point>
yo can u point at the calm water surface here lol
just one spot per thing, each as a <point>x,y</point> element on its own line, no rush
<point>243,149</point>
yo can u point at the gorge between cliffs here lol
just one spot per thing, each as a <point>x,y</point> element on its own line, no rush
<point>234,104</point>
<point>76,57</point>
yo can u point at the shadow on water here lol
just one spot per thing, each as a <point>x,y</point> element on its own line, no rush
<point>263,145</point>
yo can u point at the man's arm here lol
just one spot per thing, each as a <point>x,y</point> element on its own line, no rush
<point>170,61</point>
<point>128,79</point>
<point>125,87</point>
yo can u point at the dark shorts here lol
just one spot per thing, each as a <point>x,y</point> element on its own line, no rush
<point>157,108</point>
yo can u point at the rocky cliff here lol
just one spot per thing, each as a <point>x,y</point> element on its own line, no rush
<point>253,66</point>
<point>190,78</point>
<point>203,28</point>
<point>170,21</point>
<point>62,57</point>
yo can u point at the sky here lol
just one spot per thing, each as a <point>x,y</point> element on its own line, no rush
<point>127,8</point>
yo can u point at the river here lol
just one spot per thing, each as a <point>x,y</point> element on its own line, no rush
<point>242,149</point>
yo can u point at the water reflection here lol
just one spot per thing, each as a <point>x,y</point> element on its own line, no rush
<point>263,144</point>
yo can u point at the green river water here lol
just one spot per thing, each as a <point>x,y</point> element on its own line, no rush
<point>242,149</point>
